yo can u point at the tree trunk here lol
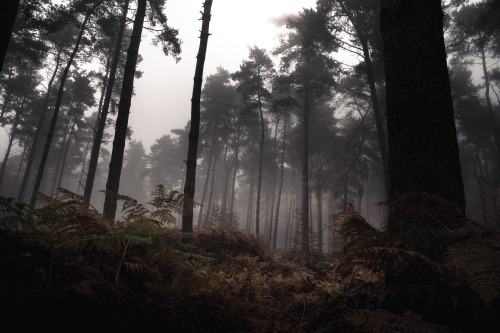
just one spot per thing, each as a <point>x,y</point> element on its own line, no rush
<point>235,171</point>
<point>82,171</point>
<point>280,186</point>
<point>212,187</point>
<point>319,197</point>
<point>36,138</point>
<point>423,149</point>
<point>194,131</point>
<point>491,113</point>
<point>96,146</point>
<point>207,178</point>
<point>57,106</point>
<point>304,218</point>
<point>12,137</point>
<point>250,201</point>
<point>115,164</point>
<point>374,97</point>
<point>7,19</point>
<point>65,157</point>
<point>261,154</point>
<point>273,190</point>
<point>60,155</point>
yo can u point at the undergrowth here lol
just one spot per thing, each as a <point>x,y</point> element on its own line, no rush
<point>66,267</point>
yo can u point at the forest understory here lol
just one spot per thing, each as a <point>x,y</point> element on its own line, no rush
<point>66,268</point>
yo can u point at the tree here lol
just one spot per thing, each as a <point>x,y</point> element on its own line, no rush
<point>309,72</point>
<point>475,33</point>
<point>358,19</point>
<point>192,154</point>
<point>115,164</point>
<point>88,11</point>
<point>254,78</point>
<point>422,139</point>
<point>96,146</point>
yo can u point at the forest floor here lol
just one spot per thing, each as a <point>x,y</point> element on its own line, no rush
<point>72,272</point>
<point>217,282</point>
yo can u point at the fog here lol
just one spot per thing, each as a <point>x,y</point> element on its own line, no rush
<point>344,153</point>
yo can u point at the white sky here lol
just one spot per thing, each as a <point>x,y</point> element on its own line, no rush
<point>163,94</point>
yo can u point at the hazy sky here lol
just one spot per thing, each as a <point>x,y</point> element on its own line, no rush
<point>163,94</point>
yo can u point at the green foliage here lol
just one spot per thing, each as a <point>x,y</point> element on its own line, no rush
<point>163,206</point>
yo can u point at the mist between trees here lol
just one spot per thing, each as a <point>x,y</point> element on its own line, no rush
<point>285,147</point>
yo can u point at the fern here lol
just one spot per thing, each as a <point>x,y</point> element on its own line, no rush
<point>476,254</point>
<point>163,207</point>
<point>14,215</point>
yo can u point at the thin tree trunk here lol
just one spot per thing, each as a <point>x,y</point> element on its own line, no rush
<point>96,146</point>
<point>235,171</point>
<point>60,155</point>
<point>261,154</point>
<point>36,138</point>
<point>23,155</point>
<point>271,217</point>
<point>115,164</point>
<point>12,137</point>
<point>207,178</point>
<point>374,97</point>
<point>65,157</point>
<point>57,106</point>
<point>250,201</point>
<point>280,188</point>
<point>212,188</point>
<point>304,226</point>
<point>194,131</point>
<point>491,113</point>
<point>82,172</point>
<point>319,197</point>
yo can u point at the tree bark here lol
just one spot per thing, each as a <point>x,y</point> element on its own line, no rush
<point>422,139</point>
<point>8,15</point>
<point>96,146</point>
<point>194,131</point>
<point>116,162</point>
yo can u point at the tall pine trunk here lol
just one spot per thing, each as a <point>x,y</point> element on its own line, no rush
<point>194,131</point>
<point>304,218</point>
<point>280,186</point>
<point>36,138</point>
<point>261,154</point>
<point>57,106</point>
<point>115,165</point>
<point>423,148</point>
<point>96,146</point>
